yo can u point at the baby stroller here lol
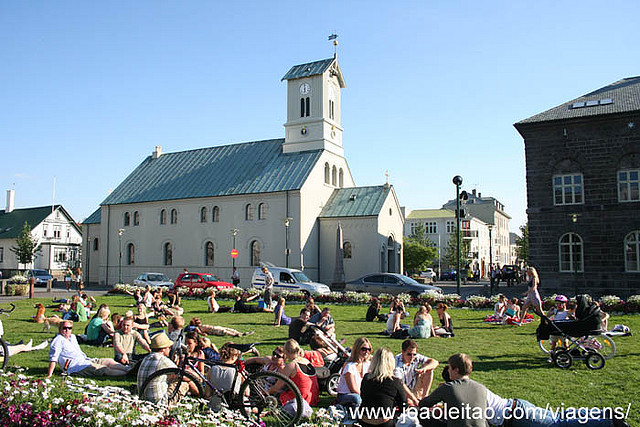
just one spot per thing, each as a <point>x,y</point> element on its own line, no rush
<point>329,374</point>
<point>581,335</point>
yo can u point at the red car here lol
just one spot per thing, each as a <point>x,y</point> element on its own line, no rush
<point>201,280</point>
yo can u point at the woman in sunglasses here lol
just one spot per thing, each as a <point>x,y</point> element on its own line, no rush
<point>273,363</point>
<point>352,373</point>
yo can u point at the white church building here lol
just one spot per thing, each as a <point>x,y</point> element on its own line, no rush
<point>279,201</point>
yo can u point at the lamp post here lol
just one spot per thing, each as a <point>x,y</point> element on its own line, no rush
<point>120,231</point>
<point>234,232</point>
<point>457,180</point>
<point>287,223</point>
<point>490,260</point>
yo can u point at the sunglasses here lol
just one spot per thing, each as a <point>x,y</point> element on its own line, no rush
<point>278,355</point>
<point>365,349</point>
<point>67,328</point>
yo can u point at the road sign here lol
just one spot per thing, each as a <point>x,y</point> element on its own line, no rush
<point>234,253</point>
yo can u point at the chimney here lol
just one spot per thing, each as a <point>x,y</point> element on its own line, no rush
<point>11,195</point>
<point>473,192</point>
<point>157,152</point>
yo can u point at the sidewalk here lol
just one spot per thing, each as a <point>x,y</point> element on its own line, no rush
<point>482,288</point>
<point>58,290</point>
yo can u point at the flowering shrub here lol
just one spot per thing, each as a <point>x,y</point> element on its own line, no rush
<point>478,301</point>
<point>18,279</point>
<point>612,303</point>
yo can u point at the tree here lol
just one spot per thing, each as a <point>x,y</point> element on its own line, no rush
<point>26,245</point>
<point>522,243</point>
<point>450,257</point>
<point>419,251</point>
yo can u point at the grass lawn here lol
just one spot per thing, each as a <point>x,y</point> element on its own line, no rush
<point>506,358</point>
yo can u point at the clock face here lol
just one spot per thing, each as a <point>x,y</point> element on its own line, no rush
<point>305,88</point>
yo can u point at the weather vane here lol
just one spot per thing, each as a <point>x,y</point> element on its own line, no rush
<point>334,37</point>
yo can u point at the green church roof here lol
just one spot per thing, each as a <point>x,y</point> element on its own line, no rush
<point>245,168</point>
<point>356,201</point>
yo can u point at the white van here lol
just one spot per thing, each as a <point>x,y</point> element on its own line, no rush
<point>289,279</point>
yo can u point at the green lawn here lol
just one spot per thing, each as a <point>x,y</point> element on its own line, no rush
<point>506,358</point>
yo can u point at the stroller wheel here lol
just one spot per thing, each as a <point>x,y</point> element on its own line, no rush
<point>562,359</point>
<point>332,384</point>
<point>594,360</point>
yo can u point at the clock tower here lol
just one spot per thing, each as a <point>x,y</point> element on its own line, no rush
<point>313,107</point>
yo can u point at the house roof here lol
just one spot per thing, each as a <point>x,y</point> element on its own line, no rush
<point>245,168</point>
<point>313,69</point>
<point>618,97</point>
<point>431,214</point>
<point>94,218</point>
<point>11,223</point>
<point>356,201</point>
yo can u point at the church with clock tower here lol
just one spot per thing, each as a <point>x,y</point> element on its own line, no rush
<point>291,202</point>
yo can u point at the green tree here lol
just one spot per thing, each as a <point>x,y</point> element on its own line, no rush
<point>522,244</point>
<point>26,245</point>
<point>450,257</point>
<point>419,251</point>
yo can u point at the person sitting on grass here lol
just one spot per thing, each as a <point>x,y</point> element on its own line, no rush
<point>66,352</point>
<point>220,331</point>
<point>373,312</point>
<point>299,329</point>
<point>324,321</point>
<point>273,363</point>
<point>280,317</point>
<point>241,305</point>
<point>124,342</point>
<point>415,371</point>
<point>446,324</point>
<point>512,312</point>
<point>100,328</point>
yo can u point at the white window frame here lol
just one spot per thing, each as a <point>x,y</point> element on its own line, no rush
<point>431,227</point>
<point>632,241</point>
<point>628,183</point>
<point>574,242</point>
<point>451,226</point>
<point>568,182</point>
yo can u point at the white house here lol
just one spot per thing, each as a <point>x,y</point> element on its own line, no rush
<point>268,199</point>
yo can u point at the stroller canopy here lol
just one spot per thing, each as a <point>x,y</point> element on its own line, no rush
<point>589,321</point>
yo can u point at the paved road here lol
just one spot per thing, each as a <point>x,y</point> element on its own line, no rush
<point>57,291</point>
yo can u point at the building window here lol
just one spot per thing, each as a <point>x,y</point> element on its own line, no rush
<point>632,252</point>
<point>56,231</point>
<point>131,254</point>
<point>307,103</point>
<point>332,109</point>
<point>628,185</point>
<point>136,218</point>
<point>255,253</point>
<point>262,211</point>
<point>60,255</point>
<point>568,189</point>
<point>570,248</point>
<point>1,254</point>
<point>334,176</point>
<point>163,217</point>
<point>346,248</point>
<point>174,216</point>
<point>248,213</point>
<point>44,230</point>
<point>327,173</point>
<point>451,226</point>
<point>203,214</point>
<point>215,214</point>
<point>301,107</point>
<point>95,244</point>
<point>127,219</point>
<point>208,254</point>
<point>414,228</point>
<point>431,227</point>
<point>167,254</point>
<point>341,178</point>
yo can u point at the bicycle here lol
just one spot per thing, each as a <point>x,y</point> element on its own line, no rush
<point>4,348</point>
<point>253,399</point>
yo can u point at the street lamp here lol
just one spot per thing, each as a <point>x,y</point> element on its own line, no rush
<point>457,180</point>
<point>287,223</point>
<point>234,232</point>
<point>490,260</point>
<point>120,231</point>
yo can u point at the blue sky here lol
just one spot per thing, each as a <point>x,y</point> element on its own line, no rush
<point>433,87</point>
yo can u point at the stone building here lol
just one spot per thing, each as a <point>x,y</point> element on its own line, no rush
<point>582,174</point>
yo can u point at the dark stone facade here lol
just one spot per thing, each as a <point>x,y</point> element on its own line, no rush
<point>597,147</point>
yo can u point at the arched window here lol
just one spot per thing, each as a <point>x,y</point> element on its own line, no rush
<point>334,176</point>
<point>346,249</point>
<point>301,107</point>
<point>248,212</point>
<point>131,254</point>
<point>215,214</point>
<point>127,219</point>
<point>163,217</point>
<point>136,218</point>
<point>203,214</point>
<point>341,178</point>
<point>96,244</point>
<point>308,105</point>
<point>262,211</point>
<point>327,173</point>
<point>208,254</point>
<point>255,253</point>
<point>571,253</point>
<point>174,216</point>
<point>167,253</point>
<point>632,252</point>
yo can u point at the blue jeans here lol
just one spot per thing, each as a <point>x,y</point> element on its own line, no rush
<point>526,414</point>
<point>349,399</point>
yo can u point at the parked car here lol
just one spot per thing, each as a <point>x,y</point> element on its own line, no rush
<point>389,283</point>
<point>448,275</point>
<point>201,280</point>
<point>41,276</point>
<point>153,279</point>
<point>510,274</point>
<point>428,274</point>
<point>289,279</point>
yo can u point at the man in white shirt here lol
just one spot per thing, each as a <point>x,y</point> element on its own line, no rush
<point>415,371</point>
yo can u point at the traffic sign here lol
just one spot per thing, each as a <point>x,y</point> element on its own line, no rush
<point>234,253</point>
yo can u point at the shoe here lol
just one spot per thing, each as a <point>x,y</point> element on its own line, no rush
<point>550,360</point>
<point>29,345</point>
<point>41,346</point>
<point>20,342</point>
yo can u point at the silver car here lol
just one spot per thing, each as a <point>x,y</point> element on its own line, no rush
<point>389,283</point>
<point>153,279</point>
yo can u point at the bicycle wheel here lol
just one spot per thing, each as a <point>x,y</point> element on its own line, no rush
<point>4,354</point>
<point>170,379</point>
<point>254,399</point>
<point>603,345</point>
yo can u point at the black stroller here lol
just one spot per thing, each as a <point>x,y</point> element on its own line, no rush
<point>579,334</point>
<point>329,375</point>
